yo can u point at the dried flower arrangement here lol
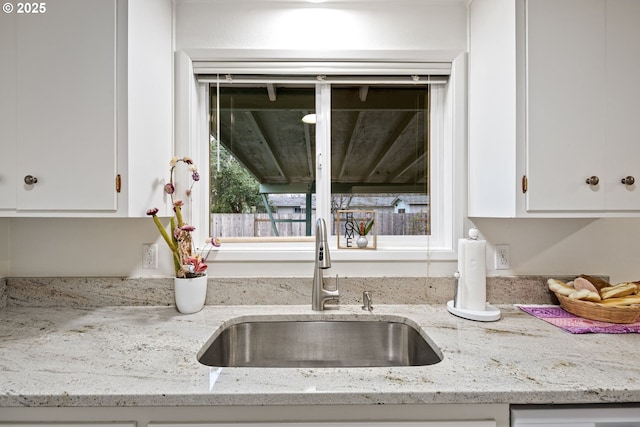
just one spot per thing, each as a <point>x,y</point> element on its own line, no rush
<point>187,262</point>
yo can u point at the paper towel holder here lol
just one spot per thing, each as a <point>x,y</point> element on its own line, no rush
<point>489,314</point>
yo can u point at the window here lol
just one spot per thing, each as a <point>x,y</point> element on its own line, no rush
<point>379,154</point>
<point>263,177</point>
<point>380,142</point>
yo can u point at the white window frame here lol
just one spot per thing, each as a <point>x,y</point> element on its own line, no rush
<point>448,127</point>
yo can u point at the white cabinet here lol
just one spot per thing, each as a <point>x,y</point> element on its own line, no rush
<point>623,109</point>
<point>68,424</point>
<point>582,105</point>
<point>88,110</point>
<point>66,101</point>
<point>431,415</point>
<point>479,423</point>
<point>7,110</point>
<point>566,113</point>
<point>566,103</point>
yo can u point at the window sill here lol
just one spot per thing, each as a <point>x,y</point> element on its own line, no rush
<point>304,251</point>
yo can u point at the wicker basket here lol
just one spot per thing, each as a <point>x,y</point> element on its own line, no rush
<point>593,311</point>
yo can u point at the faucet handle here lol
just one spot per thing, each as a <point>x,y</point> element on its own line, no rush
<point>367,301</point>
<point>332,294</point>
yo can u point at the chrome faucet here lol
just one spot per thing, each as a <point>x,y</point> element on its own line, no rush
<point>320,295</point>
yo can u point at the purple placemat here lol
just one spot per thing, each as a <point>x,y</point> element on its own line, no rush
<point>555,315</point>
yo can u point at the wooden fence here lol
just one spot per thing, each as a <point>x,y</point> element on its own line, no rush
<point>259,224</point>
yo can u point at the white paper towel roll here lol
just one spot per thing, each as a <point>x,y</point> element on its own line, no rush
<point>472,284</point>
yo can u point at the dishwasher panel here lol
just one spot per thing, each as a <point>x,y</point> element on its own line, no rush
<point>588,416</point>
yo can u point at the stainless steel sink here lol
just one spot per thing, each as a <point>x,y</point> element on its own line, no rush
<point>319,344</point>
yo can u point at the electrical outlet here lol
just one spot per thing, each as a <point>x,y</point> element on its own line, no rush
<point>503,261</point>
<point>150,255</point>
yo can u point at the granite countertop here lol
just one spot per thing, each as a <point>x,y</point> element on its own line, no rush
<point>146,356</point>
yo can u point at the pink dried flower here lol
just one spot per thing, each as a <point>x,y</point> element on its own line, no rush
<point>152,212</point>
<point>195,176</point>
<point>169,188</point>
<point>178,203</point>
<point>198,265</point>
<point>188,228</point>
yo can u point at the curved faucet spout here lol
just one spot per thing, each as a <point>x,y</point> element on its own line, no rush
<point>323,257</point>
<point>319,295</point>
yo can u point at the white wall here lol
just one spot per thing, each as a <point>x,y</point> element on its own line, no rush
<point>568,246</point>
<point>113,247</point>
<point>43,247</point>
<point>344,26</point>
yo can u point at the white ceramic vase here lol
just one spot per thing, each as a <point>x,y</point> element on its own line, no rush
<point>362,242</point>
<point>190,293</point>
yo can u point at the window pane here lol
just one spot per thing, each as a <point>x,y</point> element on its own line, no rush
<point>263,169</point>
<point>380,155</point>
<point>263,162</point>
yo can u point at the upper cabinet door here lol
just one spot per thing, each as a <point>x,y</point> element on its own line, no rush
<point>623,104</point>
<point>576,103</point>
<point>566,104</point>
<point>7,111</point>
<point>66,106</point>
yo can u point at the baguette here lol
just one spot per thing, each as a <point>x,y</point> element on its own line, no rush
<point>621,301</point>
<point>585,295</point>
<point>560,287</point>
<point>619,290</point>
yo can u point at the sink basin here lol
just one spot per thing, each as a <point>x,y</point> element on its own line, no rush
<point>319,344</point>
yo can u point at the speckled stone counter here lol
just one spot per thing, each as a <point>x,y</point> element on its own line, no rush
<point>146,356</point>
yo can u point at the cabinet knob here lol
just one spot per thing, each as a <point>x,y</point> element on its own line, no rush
<point>628,180</point>
<point>593,180</point>
<point>30,179</point>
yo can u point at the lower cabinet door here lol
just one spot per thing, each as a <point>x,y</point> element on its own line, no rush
<point>467,423</point>
<point>69,424</point>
